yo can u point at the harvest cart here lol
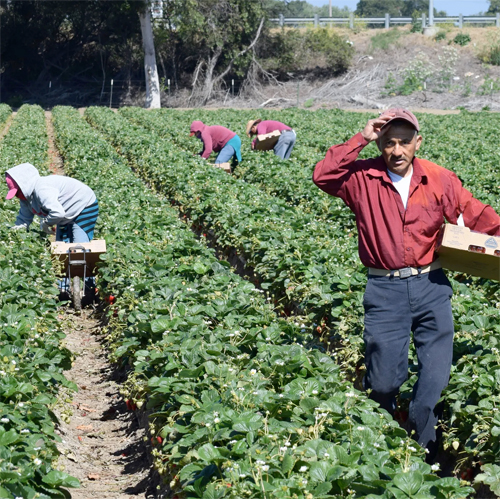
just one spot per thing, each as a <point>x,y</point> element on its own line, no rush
<point>79,260</point>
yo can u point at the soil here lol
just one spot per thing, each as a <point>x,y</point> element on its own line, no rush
<point>6,126</point>
<point>103,444</point>
<point>56,162</point>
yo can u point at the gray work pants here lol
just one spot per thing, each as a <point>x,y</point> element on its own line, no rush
<point>395,307</point>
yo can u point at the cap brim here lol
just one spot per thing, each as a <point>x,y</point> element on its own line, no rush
<point>191,134</point>
<point>11,194</point>
<point>401,119</point>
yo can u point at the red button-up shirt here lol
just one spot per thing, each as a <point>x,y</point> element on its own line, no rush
<point>391,237</point>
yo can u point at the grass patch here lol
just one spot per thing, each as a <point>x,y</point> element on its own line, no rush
<point>382,41</point>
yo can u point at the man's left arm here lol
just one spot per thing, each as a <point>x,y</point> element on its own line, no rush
<point>477,216</point>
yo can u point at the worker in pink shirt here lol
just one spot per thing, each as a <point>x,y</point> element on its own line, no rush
<point>219,139</point>
<point>284,146</point>
<point>400,203</point>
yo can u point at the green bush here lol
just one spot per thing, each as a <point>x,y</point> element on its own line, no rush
<point>296,50</point>
<point>382,41</point>
<point>440,35</point>
<point>461,39</point>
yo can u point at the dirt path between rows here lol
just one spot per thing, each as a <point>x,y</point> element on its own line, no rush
<point>56,162</point>
<point>6,127</point>
<point>102,443</point>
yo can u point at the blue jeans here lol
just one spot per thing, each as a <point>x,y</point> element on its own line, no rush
<point>395,307</point>
<point>284,146</point>
<point>76,234</point>
<point>225,154</point>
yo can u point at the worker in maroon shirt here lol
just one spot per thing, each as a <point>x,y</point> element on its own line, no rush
<point>219,139</point>
<point>400,203</point>
<point>284,146</point>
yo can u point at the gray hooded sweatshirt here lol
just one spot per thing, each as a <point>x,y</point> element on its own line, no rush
<point>56,198</point>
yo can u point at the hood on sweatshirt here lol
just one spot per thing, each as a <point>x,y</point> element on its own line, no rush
<point>26,177</point>
<point>196,126</point>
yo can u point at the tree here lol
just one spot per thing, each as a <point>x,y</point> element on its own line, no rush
<point>378,8</point>
<point>150,69</point>
<point>494,7</point>
<point>210,40</point>
<point>77,46</point>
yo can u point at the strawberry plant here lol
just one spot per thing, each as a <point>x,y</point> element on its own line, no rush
<point>245,402</point>
<point>32,358</point>
<point>464,419</point>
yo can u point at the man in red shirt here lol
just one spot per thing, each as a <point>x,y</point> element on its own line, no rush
<point>400,203</point>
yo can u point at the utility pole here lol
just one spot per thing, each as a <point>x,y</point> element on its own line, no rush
<point>431,12</point>
<point>330,9</point>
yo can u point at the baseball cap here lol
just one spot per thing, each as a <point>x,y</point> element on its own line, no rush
<point>12,185</point>
<point>402,114</point>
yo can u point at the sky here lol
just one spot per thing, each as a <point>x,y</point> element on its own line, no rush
<point>451,7</point>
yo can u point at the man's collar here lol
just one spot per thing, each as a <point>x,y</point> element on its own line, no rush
<point>379,169</point>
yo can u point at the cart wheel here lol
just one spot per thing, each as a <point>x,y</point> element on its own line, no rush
<point>77,294</point>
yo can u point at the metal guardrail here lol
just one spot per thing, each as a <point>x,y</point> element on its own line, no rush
<point>387,20</point>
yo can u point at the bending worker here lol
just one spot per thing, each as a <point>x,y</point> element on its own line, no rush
<point>284,146</point>
<point>400,203</point>
<point>62,203</point>
<point>219,139</point>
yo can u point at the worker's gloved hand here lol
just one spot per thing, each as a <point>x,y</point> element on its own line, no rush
<point>48,229</point>
<point>19,227</point>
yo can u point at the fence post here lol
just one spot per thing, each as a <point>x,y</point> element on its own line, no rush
<point>316,20</point>
<point>282,20</point>
<point>387,21</point>
<point>111,94</point>
<point>498,20</point>
<point>168,84</point>
<point>460,21</point>
<point>232,87</point>
<point>423,20</point>
<point>351,20</point>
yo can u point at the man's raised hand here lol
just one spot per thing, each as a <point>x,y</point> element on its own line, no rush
<point>373,129</point>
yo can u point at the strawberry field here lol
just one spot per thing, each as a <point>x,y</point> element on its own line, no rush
<point>237,312</point>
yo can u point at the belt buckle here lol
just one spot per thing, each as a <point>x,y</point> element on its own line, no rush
<point>404,273</point>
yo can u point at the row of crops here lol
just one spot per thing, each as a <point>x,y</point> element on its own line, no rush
<point>242,403</point>
<point>249,383</point>
<point>245,219</point>
<point>32,358</point>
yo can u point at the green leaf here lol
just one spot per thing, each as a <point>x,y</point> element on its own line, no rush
<point>199,268</point>
<point>287,464</point>
<point>160,325</point>
<point>57,478</point>
<point>209,453</point>
<point>410,482</point>
<point>8,437</point>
